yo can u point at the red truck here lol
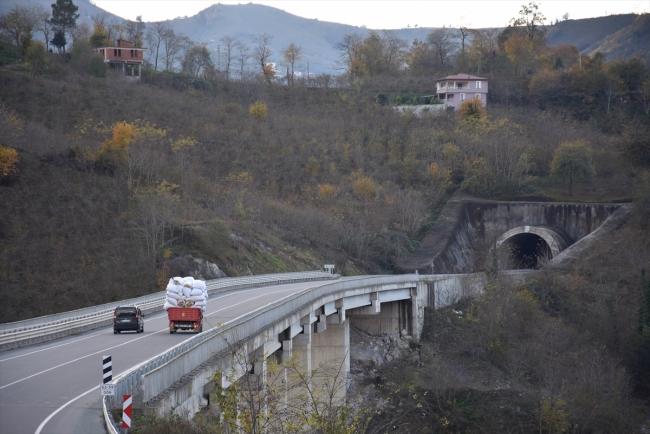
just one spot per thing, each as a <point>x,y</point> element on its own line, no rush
<point>185,318</point>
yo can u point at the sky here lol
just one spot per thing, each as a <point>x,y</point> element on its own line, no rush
<point>388,14</point>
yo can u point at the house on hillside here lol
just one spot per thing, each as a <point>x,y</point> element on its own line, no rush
<point>453,90</point>
<point>124,57</point>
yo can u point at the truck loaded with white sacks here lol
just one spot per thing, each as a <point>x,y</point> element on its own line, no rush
<point>185,302</point>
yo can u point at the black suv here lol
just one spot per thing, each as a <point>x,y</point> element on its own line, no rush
<point>128,318</point>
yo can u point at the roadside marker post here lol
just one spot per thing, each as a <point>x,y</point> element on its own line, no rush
<point>107,388</point>
<point>126,412</point>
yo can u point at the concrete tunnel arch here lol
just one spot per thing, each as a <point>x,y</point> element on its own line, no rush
<point>555,240</point>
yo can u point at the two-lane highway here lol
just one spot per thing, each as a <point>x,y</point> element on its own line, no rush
<point>53,388</point>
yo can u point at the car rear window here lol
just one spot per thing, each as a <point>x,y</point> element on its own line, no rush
<point>125,312</point>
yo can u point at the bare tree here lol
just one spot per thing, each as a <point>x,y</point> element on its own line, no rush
<point>291,55</point>
<point>101,18</point>
<point>243,54</point>
<point>463,34</point>
<point>174,46</point>
<point>42,23</point>
<point>532,19</point>
<point>155,37</point>
<point>229,44</point>
<point>442,44</point>
<point>395,51</point>
<point>350,54</point>
<point>134,30</point>
<point>262,55</point>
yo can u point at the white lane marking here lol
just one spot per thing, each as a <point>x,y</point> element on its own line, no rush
<point>80,358</point>
<point>47,419</point>
<point>128,342</point>
<point>92,336</point>
<point>42,425</point>
<point>50,348</point>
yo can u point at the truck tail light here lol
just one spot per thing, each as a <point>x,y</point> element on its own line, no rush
<point>196,326</point>
<point>171,324</point>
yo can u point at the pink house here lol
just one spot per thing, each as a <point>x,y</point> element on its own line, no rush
<point>124,56</point>
<point>453,90</point>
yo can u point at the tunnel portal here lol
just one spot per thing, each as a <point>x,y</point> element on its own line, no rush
<point>525,251</point>
<point>529,247</point>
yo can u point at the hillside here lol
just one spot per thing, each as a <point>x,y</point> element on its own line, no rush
<point>587,32</point>
<point>319,38</point>
<point>630,41</point>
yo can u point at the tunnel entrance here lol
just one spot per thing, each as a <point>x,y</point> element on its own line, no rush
<point>525,251</point>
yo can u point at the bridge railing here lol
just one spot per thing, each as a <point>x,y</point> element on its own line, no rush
<point>159,373</point>
<point>27,332</point>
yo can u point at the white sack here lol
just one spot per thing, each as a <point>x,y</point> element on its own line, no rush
<point>200,303</point>
<point>199,284</point>
<point>167,305</point>
<point>173,295</point>
<point>188,281</point>
<point>196,292</point>
<point>177,280</point>
<point>175,289</point>
<point>196,298</point>
<point>173,301</point>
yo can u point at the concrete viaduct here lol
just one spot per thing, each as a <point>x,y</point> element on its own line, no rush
<point>313,325</point>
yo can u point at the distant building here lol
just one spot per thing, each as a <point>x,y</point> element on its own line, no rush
<point>124,57</point>
<point>453,90</point>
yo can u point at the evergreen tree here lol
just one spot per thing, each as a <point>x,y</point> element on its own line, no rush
<point>64,18</point>
<point>59,40</point>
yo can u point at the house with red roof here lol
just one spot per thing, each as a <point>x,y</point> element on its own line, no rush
<point>453,90</point>
<point>125,57</point>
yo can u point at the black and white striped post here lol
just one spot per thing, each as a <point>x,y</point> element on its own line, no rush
<point>108,369</point>
<point>107,387</point>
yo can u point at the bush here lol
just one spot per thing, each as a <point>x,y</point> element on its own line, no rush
<point>98,66</point>
<point>258,110</point>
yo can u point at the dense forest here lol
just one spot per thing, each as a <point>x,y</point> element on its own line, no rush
<point>106,184</point>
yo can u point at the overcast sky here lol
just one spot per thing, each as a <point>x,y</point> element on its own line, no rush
<point>388,14</point>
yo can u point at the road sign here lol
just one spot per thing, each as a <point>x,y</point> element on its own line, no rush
<point>126,411</point>
<point>108,389</point>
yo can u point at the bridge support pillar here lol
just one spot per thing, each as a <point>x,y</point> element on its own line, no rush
<point>331,358</point>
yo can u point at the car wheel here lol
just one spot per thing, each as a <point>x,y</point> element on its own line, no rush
<point>142,329</point>
<point>114,332</point>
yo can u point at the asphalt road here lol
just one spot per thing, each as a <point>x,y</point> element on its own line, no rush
<point>53,388</point>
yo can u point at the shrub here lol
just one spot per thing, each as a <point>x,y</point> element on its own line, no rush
<point>98,66</point>
<point>258,110</point>
<point>8,160</point>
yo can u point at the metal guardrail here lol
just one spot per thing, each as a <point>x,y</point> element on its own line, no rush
<point>22,333</point>
<point>130,381</point>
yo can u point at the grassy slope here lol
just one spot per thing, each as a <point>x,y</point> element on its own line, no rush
<point>630,41</point>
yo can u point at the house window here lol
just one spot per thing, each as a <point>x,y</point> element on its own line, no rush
<point>478,96</point>
<point>450,97</point>
<point>119,53</point>
<point>459,86</point>
<point>478,84</point>
<point>115,52</point>
<point>462,97</point>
